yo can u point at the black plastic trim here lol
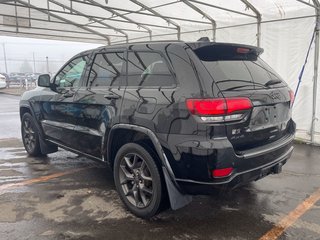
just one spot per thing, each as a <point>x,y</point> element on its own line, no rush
<point>153,138</point>
<point>267,148</point>
<point>284,156</point>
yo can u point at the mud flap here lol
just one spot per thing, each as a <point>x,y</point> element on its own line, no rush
<point>177,199</point>
<point>46,147</point>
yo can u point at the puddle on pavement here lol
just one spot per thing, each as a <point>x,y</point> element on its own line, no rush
<point>8,153</point>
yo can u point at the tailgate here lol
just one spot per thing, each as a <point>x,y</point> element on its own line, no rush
<point>269,119</point>
<point>236,71</point>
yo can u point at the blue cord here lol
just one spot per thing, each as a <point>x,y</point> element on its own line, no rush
<point>305,62</point>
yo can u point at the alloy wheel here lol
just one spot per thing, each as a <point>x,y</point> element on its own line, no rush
<point>29,135</point>
<point>136,180</point>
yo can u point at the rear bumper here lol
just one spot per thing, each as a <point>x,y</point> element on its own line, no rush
<point>236,179</point>
<point>194,160</point>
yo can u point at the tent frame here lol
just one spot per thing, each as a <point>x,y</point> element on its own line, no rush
<point>160,16</point>
<point>96,23</point>
<point>316,69</point>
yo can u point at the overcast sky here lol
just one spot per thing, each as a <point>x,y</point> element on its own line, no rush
<point>20,49</point>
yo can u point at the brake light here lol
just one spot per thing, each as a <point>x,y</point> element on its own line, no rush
<point>219,109</point>
<point>223,172</point>
<point>291,93</point>
<point>207,106</point>
<point>243,50</point>
<point>238,104</point>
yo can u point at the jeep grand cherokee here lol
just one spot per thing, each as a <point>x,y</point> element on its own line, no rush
<point>171,118</point>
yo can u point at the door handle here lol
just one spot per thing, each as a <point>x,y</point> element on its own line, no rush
<point>111,96</point>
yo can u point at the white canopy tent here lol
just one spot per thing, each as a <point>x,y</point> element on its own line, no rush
<point>284,28</point>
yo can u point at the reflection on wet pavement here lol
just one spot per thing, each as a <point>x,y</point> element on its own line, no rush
<point>85,205</point>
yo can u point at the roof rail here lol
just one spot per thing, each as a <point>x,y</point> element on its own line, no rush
<point>153,41</point>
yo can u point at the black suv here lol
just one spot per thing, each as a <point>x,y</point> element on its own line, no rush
<point>172,119</point>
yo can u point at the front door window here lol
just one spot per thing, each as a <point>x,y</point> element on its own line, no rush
<point>70,75</point>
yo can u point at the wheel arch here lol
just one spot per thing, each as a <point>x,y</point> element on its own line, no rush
<point>143,132</point>
<point>176,197</point>
<point>25,109</point>
<point>45,146</point>
<point>121,134</point>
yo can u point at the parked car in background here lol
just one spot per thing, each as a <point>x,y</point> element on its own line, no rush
<point>7,79</point>
<point>17,78</point>
<point>21,78</point>
<point>170,118</point>
<point>32,78</point>
<point>6,75</point>
<point>3,83</point>
<point>29,77</point>
<point>35,76</point>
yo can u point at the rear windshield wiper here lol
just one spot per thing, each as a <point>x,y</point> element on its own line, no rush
<point>241,81</point>
<point>242,86</point>
<point>272,82</point>
<point>251,84</point>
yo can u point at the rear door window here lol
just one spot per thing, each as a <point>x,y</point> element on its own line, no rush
<point>148,69</point>
<point>107,69</point>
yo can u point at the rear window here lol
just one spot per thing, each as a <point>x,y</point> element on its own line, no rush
<point>236,69</point>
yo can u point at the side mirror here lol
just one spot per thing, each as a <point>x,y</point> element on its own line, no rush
<point>44,80</point>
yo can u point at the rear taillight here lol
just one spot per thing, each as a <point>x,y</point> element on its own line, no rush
<point>291,93</point>
<point>219,109</point>
<point>207,106</point>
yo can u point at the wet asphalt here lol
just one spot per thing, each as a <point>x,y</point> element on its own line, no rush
<point>85,205</point>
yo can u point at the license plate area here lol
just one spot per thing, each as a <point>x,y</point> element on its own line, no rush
<point>269,116</point>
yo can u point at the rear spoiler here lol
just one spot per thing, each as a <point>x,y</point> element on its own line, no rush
<point>209,51</point>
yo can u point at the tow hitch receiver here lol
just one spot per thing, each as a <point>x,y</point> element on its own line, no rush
<point>278,168</point>
<point>264,172</point>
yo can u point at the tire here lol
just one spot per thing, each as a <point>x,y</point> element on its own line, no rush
<point>138,180</point>
<point>30,135</point>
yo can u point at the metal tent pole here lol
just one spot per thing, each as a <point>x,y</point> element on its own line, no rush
<point>316,67</point>
<point>315,79</point>
<point>259,19</point>
<point>67,21</point>
<point>306,3</point>
<point>315,82</point>
<point>198,10</point>
<point>47,64</point>
<point>34,63</point>
<point>221,8</point>
<point>91,18</point>
<point>157,14</point>
<point>5,56</point>
<point>122,16</point>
